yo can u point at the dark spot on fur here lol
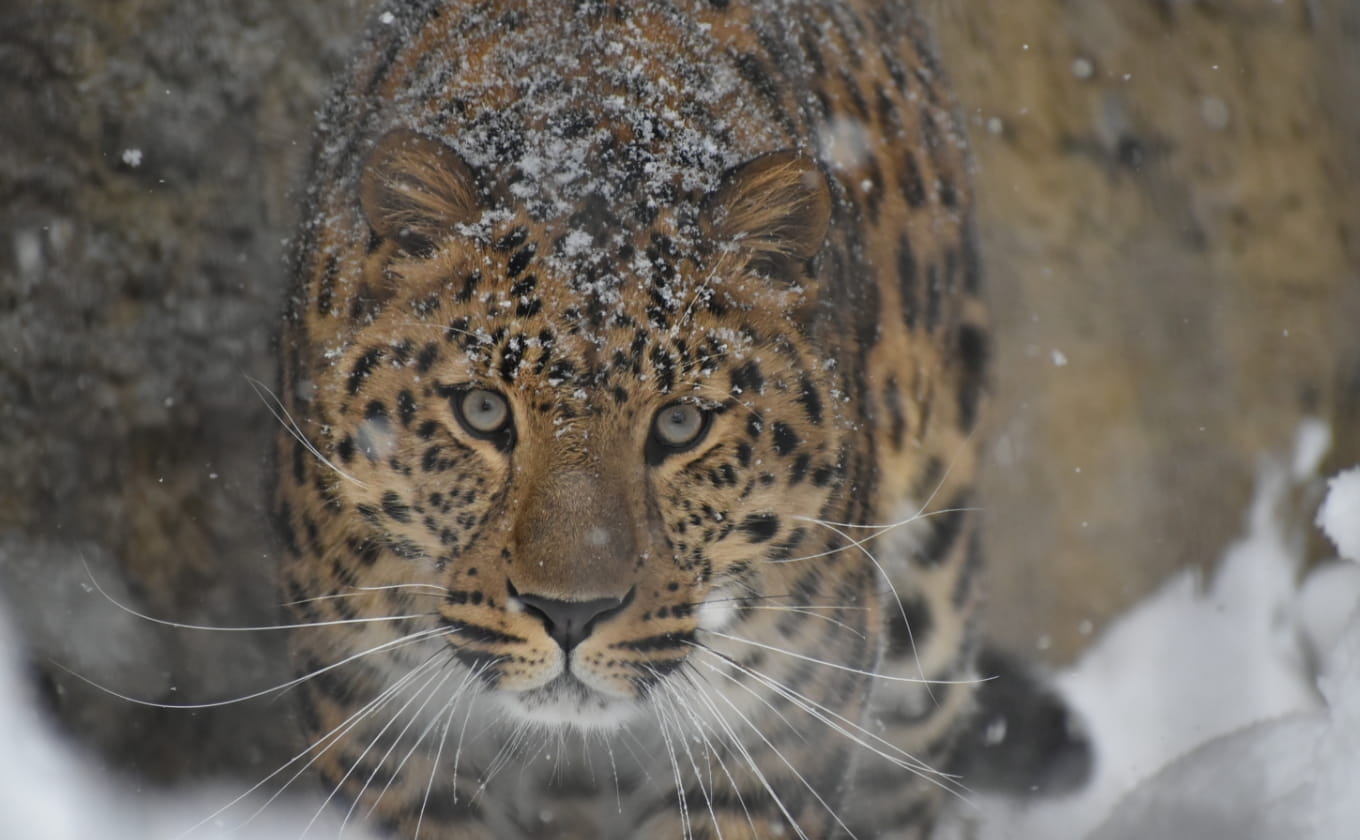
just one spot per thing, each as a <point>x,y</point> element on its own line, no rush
<point>907,635</point>
<point>973,353</point>
<point>811,400</point>
<point>760,527</point>
<point>945,529</point>
<point>519,262</point>
<point>406,407</point>
<point>748,378</point>
<point>363,366</point>
<point>909,178</point>
<point>394,507</point>
<point>785,438</point>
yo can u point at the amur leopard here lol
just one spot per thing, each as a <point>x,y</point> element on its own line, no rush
<point>631,371</point>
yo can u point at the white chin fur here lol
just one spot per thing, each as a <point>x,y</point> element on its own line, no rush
<point>565,703</point>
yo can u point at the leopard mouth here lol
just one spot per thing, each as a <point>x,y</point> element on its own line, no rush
<point>566,701</point>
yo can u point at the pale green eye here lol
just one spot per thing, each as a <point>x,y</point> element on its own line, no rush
<point>679,424</point>
<point>484,411</point>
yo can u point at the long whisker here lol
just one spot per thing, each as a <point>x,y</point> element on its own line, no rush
<point>280,413</point>
<point>510,749</point>
<point>839,723</point>
<point>838,666</point>
<point>348,725</point>
<point>469,681</point>
<point>427,665</point>
<point>735,741</point>
<point>614,773</point>
<point>692,681</point>
<point>681,803</point>
<point>321,744</point>
<point>433,683</point>
<point>883,527</point>
<point>860,542</point>
<point>445,713</point>
<point>462,733</point>
<point>281,687</point>
<point>180,625</point>
<point>361,591</point>
<point>811,612</point>
<point>671,699</point>
<point>780,755</point>
<point>897,599</point>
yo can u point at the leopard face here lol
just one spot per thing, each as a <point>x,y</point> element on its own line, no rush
<point>592,458</point>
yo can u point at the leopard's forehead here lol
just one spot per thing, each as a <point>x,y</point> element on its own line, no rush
<point>636,113</point>
<point>549,308</point>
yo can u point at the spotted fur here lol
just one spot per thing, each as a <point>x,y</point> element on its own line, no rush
<point>712,572</point>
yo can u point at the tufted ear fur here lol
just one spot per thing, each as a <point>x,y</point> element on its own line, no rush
<point>414,189</point>
<point>776,206</point>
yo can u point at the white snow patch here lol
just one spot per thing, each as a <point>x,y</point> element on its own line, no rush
<point>576,243</point>
<point>1340,514</point>
<point>132,157</point>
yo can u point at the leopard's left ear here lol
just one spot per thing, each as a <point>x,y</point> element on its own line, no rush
<point>776,207</point>
<point>416,190</point>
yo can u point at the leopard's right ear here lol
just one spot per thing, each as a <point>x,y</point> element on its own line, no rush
<point>415,190</point>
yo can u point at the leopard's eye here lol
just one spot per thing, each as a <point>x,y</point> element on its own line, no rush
<point>679,425</point>
<point>482,412</point>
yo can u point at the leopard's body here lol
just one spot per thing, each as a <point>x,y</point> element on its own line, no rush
<point>623,333</point>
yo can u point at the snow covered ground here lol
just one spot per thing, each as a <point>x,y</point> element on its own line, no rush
<point>1220,709</point>
<point>1226,709</point>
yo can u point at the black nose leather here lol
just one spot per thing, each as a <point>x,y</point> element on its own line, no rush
<point>568,622</point>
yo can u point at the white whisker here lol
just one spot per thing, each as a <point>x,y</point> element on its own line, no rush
<point>404,640</point>
<point>280,413</point>
<point>468,680</point>
<point>745,753</point>
<point>675,707</point>
<point>839,723</point>
<point>321,745</point>
<point>840,667</point>
<point>180,625</point>
<point>681,804</point>
<point>361,591</point>
<point>428,664</point>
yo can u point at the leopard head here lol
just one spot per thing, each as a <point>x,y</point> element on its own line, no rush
<point>594,438</point>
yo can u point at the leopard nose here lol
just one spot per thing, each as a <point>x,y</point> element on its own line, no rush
<point>569,622</point>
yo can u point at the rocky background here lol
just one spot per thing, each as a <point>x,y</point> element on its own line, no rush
<point>1168,209</point>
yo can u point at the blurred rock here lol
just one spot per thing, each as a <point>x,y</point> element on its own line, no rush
<point>1172,242</point>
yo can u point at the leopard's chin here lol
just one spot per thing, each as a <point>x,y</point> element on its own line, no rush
<point>568,703</point>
